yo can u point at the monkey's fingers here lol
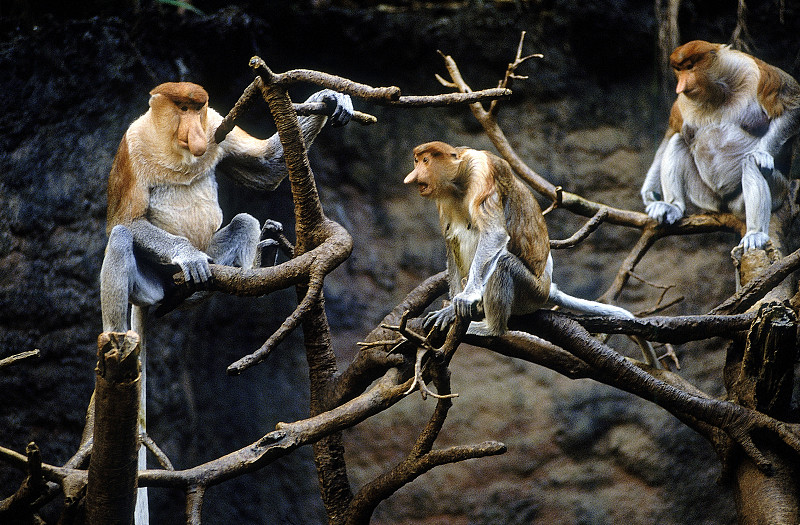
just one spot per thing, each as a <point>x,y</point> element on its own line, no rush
<point>319,108</point>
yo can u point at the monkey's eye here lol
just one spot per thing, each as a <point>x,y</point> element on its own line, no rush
<point>184,108</point>
<point>424,160</point>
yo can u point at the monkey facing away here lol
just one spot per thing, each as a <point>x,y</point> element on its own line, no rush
<point>728,133</point>
<point>498,249</point>
<point>163,212</point>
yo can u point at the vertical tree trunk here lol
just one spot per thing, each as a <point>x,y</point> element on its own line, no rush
<point>311,226</point>
<point>759,375</point>
<point>111,490</point>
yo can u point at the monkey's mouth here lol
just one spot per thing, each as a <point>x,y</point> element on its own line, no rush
<point>423,188</point>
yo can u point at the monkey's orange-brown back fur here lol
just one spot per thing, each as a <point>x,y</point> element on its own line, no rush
<point>524,220</point>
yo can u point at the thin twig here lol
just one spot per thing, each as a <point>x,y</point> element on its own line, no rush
<point>286,328</point>
<point>8,361</point>
<point>162,458</point>
<point>584,232</point>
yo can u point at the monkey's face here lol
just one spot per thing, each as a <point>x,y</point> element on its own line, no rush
<point>191,132</point>
<point>692,64</point>
<point>180,113</point>
<point>421,176</point>
<point>435,167</point>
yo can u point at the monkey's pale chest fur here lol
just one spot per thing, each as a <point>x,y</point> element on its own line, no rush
<point>182,190</point>
<point>461,237</point>
<point>188,210</point>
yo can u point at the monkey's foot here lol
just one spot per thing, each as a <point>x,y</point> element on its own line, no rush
<point>274,230</point>
<point>754,241</point>
<point>480,328</point>
<point>420,383</point>
<point>664,212</point>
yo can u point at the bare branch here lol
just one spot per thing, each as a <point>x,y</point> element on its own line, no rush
<point>449,99</point>
<point>421,458</point>
<point>111,490</point>
<point>325,80</point>
<point>286,438</point>
<point>162,458</point>
<point>676,330</point>
<point>736,421</point>
<point>20,505</point>
<point>10,360</point>
<point>194,504</point>
<point>583,233</point>
<point>287,327</point>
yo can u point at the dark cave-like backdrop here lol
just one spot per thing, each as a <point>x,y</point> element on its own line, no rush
<point>589,119</point>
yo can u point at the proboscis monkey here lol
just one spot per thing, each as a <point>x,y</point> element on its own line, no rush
<point>498,249</point>
<point>726,140</point>
<point>163,212</point>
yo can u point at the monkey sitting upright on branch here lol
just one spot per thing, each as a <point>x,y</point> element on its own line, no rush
<point>163,212</point>
<point>498,249</point>
<point>726,141</point>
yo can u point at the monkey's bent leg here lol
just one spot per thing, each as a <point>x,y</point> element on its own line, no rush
<point>757,205</point>
<point>511,289</point>
<point>235,244</point>
<point>124,280</point>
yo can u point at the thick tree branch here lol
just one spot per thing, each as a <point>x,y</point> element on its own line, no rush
<point>760,286</point>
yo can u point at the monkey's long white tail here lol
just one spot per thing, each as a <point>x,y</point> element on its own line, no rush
<point>593,307</point>
<point>141,515</point>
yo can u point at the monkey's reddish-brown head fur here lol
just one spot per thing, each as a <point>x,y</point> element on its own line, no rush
<point>694,66</point>
<point>435,167</point>
<point>179,111</point>
<point>182,92</point>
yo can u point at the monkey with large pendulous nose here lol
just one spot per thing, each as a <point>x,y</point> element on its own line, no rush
<point>163,211</point>
<point>727,144</point>
<point>498,249</point>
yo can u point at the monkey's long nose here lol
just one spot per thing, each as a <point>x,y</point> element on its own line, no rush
<point>411,177</point>
<point>197,140</point>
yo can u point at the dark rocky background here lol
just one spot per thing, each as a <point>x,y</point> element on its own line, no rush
<point>589,118</point>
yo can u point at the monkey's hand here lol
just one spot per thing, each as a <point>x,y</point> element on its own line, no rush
<point>754,240</point>
<point>193,263</point>
<point>469,305</point>
<point>764,160</point>
<point>664,212</point>
<point>439,320</point>
<point>342,105</point>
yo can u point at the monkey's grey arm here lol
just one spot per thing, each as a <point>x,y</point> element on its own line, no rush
<point>780,130</point>
<point>757,204</point>
<point>491,246</point>
<point>651,189</point>
<point>265,172</point>
<point>165,248</point>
